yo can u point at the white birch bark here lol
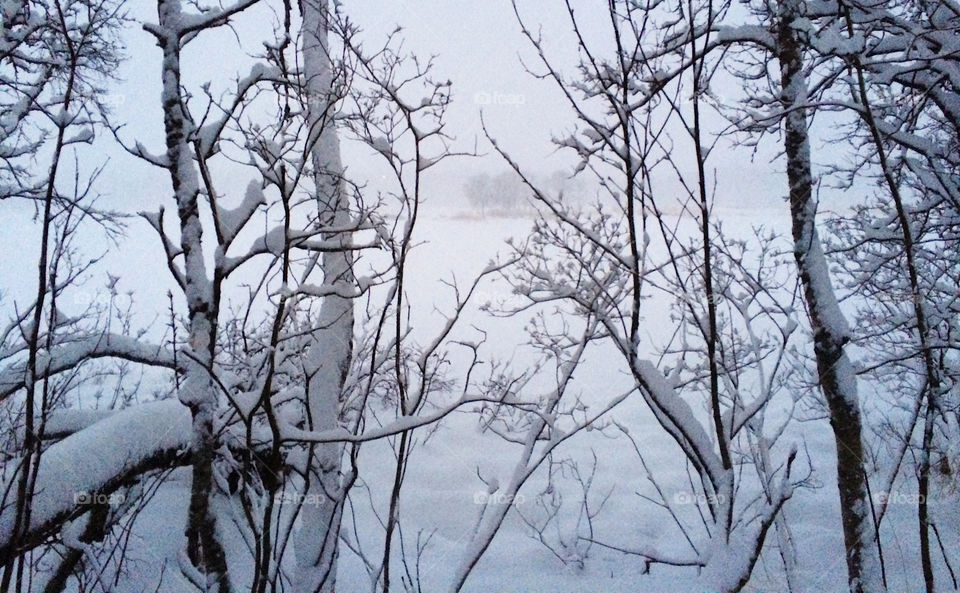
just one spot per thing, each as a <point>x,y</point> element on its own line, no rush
<point>329,349</point>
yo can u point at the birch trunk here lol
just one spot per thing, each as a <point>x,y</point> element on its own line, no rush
<point>329,350</point>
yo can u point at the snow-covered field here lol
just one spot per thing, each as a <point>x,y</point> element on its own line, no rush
<point>443,493</point>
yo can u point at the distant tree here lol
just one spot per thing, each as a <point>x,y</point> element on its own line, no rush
<point>506,191</point>
<point>499,192</point>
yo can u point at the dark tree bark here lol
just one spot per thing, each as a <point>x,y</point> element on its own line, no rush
<point>830,332</point>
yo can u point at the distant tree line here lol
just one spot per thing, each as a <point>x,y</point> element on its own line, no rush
<point>506,192</point>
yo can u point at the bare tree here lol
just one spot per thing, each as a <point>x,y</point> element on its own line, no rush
<point>55,56</point>
<point>603,262</point>
<point>889,110</point>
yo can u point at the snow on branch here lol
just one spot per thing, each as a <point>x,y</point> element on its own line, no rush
<point>669,404</point>
<point>175,24</point>
<point>96,460</point>
<point>170,249</point>
<point>231,221</point>
<point>66,356</point>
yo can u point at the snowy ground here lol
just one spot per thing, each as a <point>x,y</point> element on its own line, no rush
<point>442,491</point>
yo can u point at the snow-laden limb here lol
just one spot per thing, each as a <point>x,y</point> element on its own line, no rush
<point>292,434</point>
<point>141,151</point>
<point>184,25</point>
<point>97,460</point>
<point>209,135</point>
<point>276,240</point>
<point>213,17</point>
<point>727,565</point>
<point>170,249</point>
<point>652,555</point>
<point>677,417</point>
<point>66,356</point>
<point>65,422</point>
<point>231,220</point>
<point>754,34</point>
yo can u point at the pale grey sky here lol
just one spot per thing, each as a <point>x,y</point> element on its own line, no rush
<point>478,46</point>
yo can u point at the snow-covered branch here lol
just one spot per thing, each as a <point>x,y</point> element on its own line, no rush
<point>97,460</point>
<point>68,355</point>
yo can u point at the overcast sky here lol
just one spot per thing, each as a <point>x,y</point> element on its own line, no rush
<point>478,46</point>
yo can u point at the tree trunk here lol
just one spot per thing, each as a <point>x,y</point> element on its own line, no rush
<point>830,330</point>
<point>330,345</point>
<point>197,391</point>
